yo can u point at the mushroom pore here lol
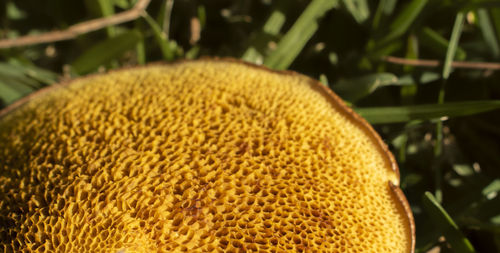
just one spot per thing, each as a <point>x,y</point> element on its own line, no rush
<point>198,156</point>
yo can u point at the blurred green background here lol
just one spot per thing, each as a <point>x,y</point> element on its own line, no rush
<point>423,72</point>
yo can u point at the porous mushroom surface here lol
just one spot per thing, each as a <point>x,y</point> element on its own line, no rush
<point>198,156</point>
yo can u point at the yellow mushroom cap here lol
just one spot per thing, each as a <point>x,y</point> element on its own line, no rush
<point>198,156</point>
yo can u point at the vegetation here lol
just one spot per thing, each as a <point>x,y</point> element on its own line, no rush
<point>422,71</point>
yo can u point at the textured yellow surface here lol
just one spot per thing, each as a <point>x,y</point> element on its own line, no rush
<point>194,156</point>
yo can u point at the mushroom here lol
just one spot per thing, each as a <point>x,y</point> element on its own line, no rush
<point>198,156</point>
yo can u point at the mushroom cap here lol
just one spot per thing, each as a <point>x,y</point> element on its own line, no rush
<point>206,155</point>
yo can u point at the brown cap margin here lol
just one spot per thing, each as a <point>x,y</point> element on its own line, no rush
<point>389,159</point>
<point>335,100</point>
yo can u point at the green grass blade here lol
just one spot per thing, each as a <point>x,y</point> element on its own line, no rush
<point>102,8</point>
<point>202,15</point>
<point>357,88</point>
<point>14,74</point>
<point>476,4</point>
<point>105,51</point>
<point>384,8</point>
<point>403,21</point>
<point>450,55</point>
<point>41,75</point>
<point>458,242</point>
<point>436,43</point>
<point>124,4</point>
<point>323,80</point>
<point>11,70</point>
<point>488,31</point>
<point>296,38</point>
<point>385,50</point>
<point>495,18</point>
<point>161,38</point>
<point>359,9</point>
<point>452,47</point>
<point>140,50</point>
<point>107,9</point>
<point>408,93</point>
<point>164,16</point>
<point>493,187</point>
<point>9,94</point>
<point>192,53</point>
<point>379,115</point>
<point>274,23</point>
<point>423,78</point>
<point>14,84</point>
<point>13,12</point>
<point>270,29</point>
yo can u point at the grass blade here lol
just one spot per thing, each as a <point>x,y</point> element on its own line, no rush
<point>493,187</point>
<point>124,4</point>
<point>102,8</point>
<point>33,77</point>
<point>357,88</point>
<point>433,41</point>
<point>423,78</point>
<point>296,38</point>
<point>458,242</point>
<point>450,55</point>
<point>161,38</point>
<point>106,51</point>
<point>14,83</point>
<point>384,8</point>
<point>15,76</point>
<point>140,48</point>
<point>403,21</point>
<point>358,8</point>
<point>107,9</point>
<point>9,94</point>
<point>488,31</point>
<point>270,29</point>
<point>495,18</point>
<point>41,75</point>
<point>452,47</point>
<point>165,16</point>
<point>324,80</point>
<point>379,115</point>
